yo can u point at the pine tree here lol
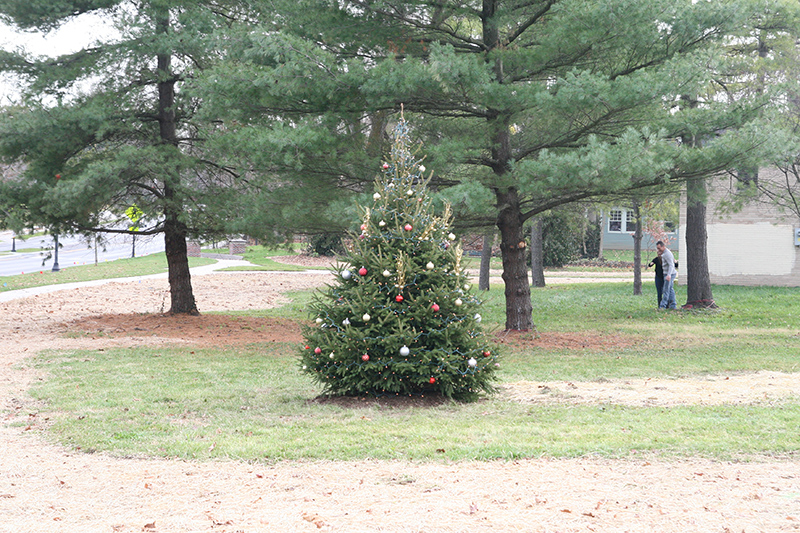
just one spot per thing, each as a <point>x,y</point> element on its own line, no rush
<point>400,318</point>
<point>114,125</point>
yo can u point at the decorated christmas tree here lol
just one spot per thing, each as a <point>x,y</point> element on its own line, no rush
<point>400,318</point>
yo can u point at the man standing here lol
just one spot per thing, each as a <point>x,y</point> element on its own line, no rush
<point>670,273</point>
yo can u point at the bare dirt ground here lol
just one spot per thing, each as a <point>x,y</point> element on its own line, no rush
<point>46,488</point>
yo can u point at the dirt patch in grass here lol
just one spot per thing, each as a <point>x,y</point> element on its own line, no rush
<point>210,330</point>
<point>204,330</point>
<point>565,340</point>
<point>758,387</point>
<point>237,330</point>
<point>307,260</point>
<point>46,488</point>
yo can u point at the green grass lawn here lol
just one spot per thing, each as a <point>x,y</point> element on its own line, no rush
<point>23,251</point>
<point>121,268</point>
<point>263,258</point>
<point>252,403</point>
<point>139,266</point>
<point>610,256</point>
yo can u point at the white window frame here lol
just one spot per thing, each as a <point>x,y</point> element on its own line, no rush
<point>623,217</point>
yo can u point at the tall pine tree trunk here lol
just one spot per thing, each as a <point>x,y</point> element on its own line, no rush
<point>515,268</point>
<point>180,279</point>
<point>537,254</point>
<point>486,261</point>
<point>509,219</point>
<point>637,249</point>
<point>175,231</point>
<point>698,280</point>
<point>603,224</point>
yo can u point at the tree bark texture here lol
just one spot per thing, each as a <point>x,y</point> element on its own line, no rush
<point>519,310</point>
<point>510,219</point>
<point>698,280</point>
<point>537,254</point>
<point>486,261</point>
<point>180,281</point>
<point>603,223</point>
<point>637,250</point>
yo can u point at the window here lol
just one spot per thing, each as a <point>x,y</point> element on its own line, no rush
<point>630,222</point>
<point>615,220</point>
<point>621,221</point>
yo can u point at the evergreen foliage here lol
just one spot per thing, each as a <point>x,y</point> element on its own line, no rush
<point>326,244</point>
<point>113,125</point>
<point>524,106</point>
<point>401,318</point>
<point>563,237</point>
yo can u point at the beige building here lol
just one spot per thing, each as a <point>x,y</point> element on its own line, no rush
<point>758,244</point>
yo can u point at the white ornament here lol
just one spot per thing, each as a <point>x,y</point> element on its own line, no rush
<point>404,351</point>
<point>472,362</point>
<point>346,274</point>
<point>331,355</point>
<point>478,317</point>
<point>346,322</point>
<point>319,320</point>
<point>452,237</point>
<point>386,273</point>
<point>422,168</point>
<point>466,287</point>
<point>377,196</point>
<point>458,301</point>
<point>382,223</point>
<point>429,266</point>
<point>366,317</point>
<point>410,192</point>
<point>305,367</point>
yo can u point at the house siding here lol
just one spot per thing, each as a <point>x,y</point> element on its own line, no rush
<point>623,240</point>
<point>751,247</point>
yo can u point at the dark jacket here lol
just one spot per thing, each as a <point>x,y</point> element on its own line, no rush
<point>659,267</point>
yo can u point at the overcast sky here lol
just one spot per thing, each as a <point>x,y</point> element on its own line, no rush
<point>69,38</point>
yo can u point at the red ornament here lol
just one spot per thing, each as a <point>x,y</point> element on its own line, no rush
<point>58,176</point>
<point>385,166</point>
<point>399,297</point>
<point>432,380</point>
<point>435,307</point>
<point>408,227</point>
<point>487,353</point>
<point>317,350</point>
<point>308,347</point>
<point>365,357</point>
<point>362,271</point>
<point>363,227</point>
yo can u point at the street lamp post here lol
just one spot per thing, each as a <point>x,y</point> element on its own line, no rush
<point>14,243</point>
<point>55,262</point>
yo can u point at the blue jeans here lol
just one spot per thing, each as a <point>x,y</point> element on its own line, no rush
<point>668,295</point>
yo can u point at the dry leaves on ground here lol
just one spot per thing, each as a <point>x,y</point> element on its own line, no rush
<point>46,488</point>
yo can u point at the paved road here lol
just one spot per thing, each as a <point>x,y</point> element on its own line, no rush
<point>73,251</point>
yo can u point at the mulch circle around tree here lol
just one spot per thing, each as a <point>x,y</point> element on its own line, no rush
<point>206,329</point>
